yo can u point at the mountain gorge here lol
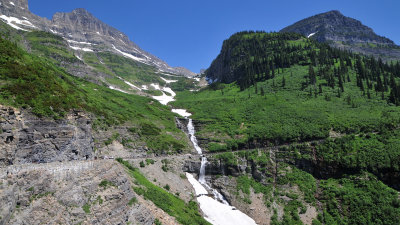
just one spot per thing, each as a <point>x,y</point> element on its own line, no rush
<point>291,128</point>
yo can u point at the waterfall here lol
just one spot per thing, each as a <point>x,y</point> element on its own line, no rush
<point>202,175</point>
<point>217,210</point>
<point>193,138</point>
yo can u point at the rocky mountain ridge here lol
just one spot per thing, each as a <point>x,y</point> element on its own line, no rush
<point>347,33</point>
<point>84,33</point>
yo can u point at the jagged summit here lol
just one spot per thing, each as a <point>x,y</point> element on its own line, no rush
<point>83,31</point>
<point>334,26</point>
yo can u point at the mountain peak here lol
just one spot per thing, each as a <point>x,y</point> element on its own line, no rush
<point>334,26</point>
<point>334,12</point>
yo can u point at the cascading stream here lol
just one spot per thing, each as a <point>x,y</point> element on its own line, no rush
<point>217,210</point>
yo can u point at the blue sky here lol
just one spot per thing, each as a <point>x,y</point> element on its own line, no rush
<point>190,33</point>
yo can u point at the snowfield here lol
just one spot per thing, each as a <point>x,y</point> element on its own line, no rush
<point>216,212</point>
<point>12,21</point>
<point>168,81</point>
<point>182,112</point>
<point>81,49</point>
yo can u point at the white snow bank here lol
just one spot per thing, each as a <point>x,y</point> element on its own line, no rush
<point>54,32</point>
<point>310,35</point>
<point>169,90</point>
<point>216,212</point>
<point>12,21</point>
<point>12,3</point>
<point>182,112</point>
<point>168,81</point>
<point>127,55</point>
<point>131,85</point>
<point>155,86</point>
<point>164,99</point>
<point>117,89</point>
<point>144,87</point>
<point>82,49</point>
<point>77,42</point>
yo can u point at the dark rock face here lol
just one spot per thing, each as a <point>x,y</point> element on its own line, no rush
<point>84,31</point>
<point>346,33</point>
<point>26,138</point>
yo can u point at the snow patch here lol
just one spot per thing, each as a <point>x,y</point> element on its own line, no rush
<point>182,112</point>
<point>310,35</point>
<point>216,212</point>
<point>170,91</point>
<point>12,3</point>
<point>155,86</point>
<point>77,42</point>
<point>144,87</point>
<point>81,49</point>
<point>168,81</point>
<point>54,32</point>
<point>164,99</point>
<point>127,55</point>
<point>77,56</point>
<point>131,85</point>
<point>12,21</point>
<point>117,89</point>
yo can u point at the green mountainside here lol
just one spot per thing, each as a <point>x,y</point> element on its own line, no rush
<point>282,102</point>
<point>34,82</point>
<point>309,130</point>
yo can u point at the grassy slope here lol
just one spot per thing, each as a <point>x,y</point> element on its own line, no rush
<point>283,114</point>
<point>185,213</point>
<point>33,82</point>
<point>233,119</point>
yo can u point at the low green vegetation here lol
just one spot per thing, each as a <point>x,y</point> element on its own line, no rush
<point>86,208</point>
<point>132,201</point>
<point>291,90</point>
<point>359,200</point>
<point>106,184</point>
<point>28,81</point>
<point>185,213</point>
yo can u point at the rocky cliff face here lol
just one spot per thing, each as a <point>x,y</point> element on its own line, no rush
<point>84,32</point>
<point>345,32</point>
<point>26,138</point>
<point>93,192</point>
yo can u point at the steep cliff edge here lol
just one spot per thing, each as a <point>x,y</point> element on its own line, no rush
<point>25,138</point>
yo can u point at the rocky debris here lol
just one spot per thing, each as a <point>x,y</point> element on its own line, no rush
<point>25,138</point>
<point>87,192</point>
<point>172,174</point>
<point>125,144</point>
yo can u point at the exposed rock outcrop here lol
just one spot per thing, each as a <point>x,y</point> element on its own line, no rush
<point>25,138</point>
<point>345,32</point>
<point>89,192</point>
